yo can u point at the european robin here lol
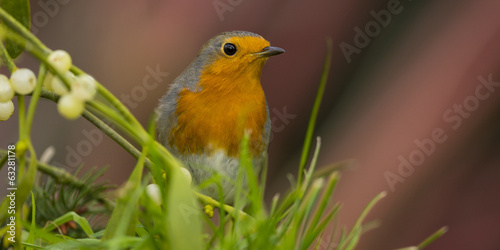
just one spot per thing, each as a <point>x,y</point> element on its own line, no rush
<point>212,104</point>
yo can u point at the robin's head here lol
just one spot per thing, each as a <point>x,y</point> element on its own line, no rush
<point>236,53</point>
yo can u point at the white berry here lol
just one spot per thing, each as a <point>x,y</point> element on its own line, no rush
<point>154,193</point>
<point>58,86</point>
<point>6,90</point>
<point>70,107</point>
<point>23,81</point>
<point>61,60</point>
<point>84,87</point>
<point>6,110</point>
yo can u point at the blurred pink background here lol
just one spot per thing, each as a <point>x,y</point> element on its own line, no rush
<point>414,73</point>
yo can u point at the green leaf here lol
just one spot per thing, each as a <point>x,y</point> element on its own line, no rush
<point>20,10</point>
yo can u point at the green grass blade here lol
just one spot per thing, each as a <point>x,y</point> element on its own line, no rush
<point>300,202</point>
<point>32,246</point>
<point>71,216</point>
<point>310,172</point>
<point>123,219</point>
<point>307,208</point>
<point>314,112</point>
<point>292,202</point>
<point>274,205</point>
<point>315,229</point>
<point>333,167</point>
<point>42,234</point>
<point>330,186</point>
<point>433,237</point>
<point>321,226</point>
<point>32,234</point>
<point>354,239</point>
<point>255,194</point>
<point>357,226</point>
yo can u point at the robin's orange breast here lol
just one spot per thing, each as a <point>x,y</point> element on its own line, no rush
<point>215,118</point>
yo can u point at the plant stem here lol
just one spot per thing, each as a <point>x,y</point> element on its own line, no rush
<point>21,102</point>
<point>21,143</point>
<point>34,98</point>
<point>235,213</point>
<point>6,58</point>
<point>114,117</point>
<point>115,136</point>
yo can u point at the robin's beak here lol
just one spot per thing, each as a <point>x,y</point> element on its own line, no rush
<point>270,51</point>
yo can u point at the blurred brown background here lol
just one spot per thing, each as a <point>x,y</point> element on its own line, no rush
<point>403,72</point>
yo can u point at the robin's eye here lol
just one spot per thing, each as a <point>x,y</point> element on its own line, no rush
<point>230,49</point>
